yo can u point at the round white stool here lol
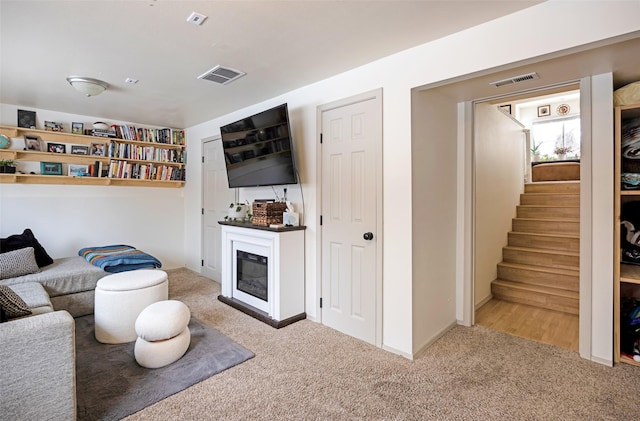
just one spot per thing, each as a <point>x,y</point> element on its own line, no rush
<point>119,299</point>
<point>163,333</point>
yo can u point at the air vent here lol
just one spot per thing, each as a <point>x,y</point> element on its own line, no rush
<point>515,79</point>
<point>221,75</point>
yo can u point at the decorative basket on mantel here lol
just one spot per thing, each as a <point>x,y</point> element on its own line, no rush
<point>267,213</point>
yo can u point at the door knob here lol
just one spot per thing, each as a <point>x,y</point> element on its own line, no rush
<point>368,236</point>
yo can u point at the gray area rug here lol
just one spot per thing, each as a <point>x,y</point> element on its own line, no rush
<point>111,385</point>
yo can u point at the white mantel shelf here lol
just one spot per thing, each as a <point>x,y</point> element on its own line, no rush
<point>284,248</point>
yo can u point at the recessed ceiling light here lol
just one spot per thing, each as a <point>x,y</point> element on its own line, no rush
<point>196,18</point>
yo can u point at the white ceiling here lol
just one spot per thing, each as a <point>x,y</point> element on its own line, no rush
<point>282,45</point>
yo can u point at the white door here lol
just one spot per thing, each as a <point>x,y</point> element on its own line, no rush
<point>216,197</point>
<point>350,173</point>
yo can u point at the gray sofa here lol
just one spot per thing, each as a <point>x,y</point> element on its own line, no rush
<point>37,352</point>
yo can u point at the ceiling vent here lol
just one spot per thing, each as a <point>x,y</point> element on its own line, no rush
<point>221,75</point>
<point>515,79</point>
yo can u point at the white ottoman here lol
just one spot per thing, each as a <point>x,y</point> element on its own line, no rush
<point>119,299</point>
<point>163,333</point>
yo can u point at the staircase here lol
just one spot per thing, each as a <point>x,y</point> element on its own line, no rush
<point>540,264</point>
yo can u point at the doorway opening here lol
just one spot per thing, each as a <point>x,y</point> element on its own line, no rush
<point>527,265</point>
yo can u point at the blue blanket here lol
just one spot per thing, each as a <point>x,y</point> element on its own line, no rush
<point>119,258</point>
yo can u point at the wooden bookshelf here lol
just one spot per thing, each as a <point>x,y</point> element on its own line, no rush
<point>171,152</point>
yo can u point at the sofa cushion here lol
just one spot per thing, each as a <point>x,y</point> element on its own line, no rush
<point>26,239</point>
<point>34,296</point>
<point>67,275</point>
<point>12,305</point>
<point>18,263</point>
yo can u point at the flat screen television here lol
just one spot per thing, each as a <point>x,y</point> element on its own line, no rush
<point>258,150</point>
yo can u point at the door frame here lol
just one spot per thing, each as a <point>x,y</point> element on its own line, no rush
<point>375,95</point>
<point>203,193</point>
<point>466,208</point>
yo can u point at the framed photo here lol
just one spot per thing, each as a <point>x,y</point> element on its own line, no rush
<point>51,168</point>
<point>77,128</point>
<point>506,108</point>
<point>79,150</point>
<point>32,143</point>
<point>27,119</point>
<point>544,110</point>
<point>56,147</point>
<point>97,148</point>
<point>52,126</point>
<point>78,170</point>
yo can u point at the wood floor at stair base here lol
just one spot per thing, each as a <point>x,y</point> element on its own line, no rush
<point>536,298</point>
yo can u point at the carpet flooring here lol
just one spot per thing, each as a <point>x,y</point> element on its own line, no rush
<point>307,371</point>
<point>111,385</point>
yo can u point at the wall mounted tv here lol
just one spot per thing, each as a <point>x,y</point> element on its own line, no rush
<point>258,150</point>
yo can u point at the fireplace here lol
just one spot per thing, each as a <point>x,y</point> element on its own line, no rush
<point>252,276</point>
<point>263,272</point>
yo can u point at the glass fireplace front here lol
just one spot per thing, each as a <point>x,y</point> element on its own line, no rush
<point>252,274</point>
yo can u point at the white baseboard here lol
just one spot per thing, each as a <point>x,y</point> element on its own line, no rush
<point>602,361</point>
<point>397,352</point>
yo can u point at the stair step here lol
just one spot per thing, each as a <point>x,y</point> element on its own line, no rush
<point>541,257</point>
<point>553,187</point>
<point>539,296</point>
<point>552,199</point>
<point>561,278</point>
<point>548,212</point>
<point>546,226</point>
<point>544,241</point>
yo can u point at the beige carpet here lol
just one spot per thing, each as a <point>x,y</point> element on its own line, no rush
<point>307,371</point>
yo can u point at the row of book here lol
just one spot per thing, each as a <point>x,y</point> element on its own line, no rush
<point>145,153</point>
<point>142,134</point>
<point>158,172</point>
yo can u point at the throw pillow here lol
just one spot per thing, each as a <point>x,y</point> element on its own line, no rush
<point>26,239</point>
<point>12,305</point>
<point>17,263</point>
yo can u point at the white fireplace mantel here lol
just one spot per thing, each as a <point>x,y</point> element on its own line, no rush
<point>284,249</point>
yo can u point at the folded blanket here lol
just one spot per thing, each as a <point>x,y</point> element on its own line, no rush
<point>119,258</point>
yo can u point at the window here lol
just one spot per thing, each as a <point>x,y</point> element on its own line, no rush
<point>551,137</point>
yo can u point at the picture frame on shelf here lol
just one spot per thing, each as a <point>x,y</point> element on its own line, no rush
<point>32,143</point>
<point>27,119</point>
<point>79,150</point>
<point>78,170</point>
<point>97,148</point>
<point>50,168</point>
<point>53,126</point>
<point>77,128</point>
<point>56,147</point>
<point>544,111</point>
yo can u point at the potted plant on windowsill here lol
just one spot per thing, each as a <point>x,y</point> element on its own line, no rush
<point>7,166</point>
<point>562,151</point>
<point>535,151</point>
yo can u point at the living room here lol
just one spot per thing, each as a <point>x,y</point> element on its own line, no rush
<point>167,222</point>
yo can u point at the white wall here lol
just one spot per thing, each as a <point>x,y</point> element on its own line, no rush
<point>397,75</point>
<point>499,167</point>
<point>433,204</point>
<point>65,218</point>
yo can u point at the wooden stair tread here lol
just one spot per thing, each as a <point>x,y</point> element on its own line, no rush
<point>549,219</point>
<point>537,289</point>
<point>542,234</point>
<point>545,269</point>
<point>540,250</point>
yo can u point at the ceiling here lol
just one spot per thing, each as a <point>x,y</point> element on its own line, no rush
<point>281,45</point>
